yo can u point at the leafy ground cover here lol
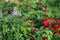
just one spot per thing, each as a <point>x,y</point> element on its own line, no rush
<point>30,20</point>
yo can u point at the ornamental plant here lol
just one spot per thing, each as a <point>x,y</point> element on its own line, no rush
<point>30,20</point>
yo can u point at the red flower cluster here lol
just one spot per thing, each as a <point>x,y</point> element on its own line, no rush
<point>46,22</point>
<point>56,26</point>
<point>58,21</point>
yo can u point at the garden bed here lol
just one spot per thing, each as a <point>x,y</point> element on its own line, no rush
<point>30,20</point>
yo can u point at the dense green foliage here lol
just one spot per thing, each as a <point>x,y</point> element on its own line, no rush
<point>28,25</point>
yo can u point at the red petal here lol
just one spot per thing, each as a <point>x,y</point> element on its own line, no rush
<point>56,26</point>
<point>51,28</point>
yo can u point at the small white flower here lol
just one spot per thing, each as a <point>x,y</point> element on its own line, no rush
<point>15,12</point>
